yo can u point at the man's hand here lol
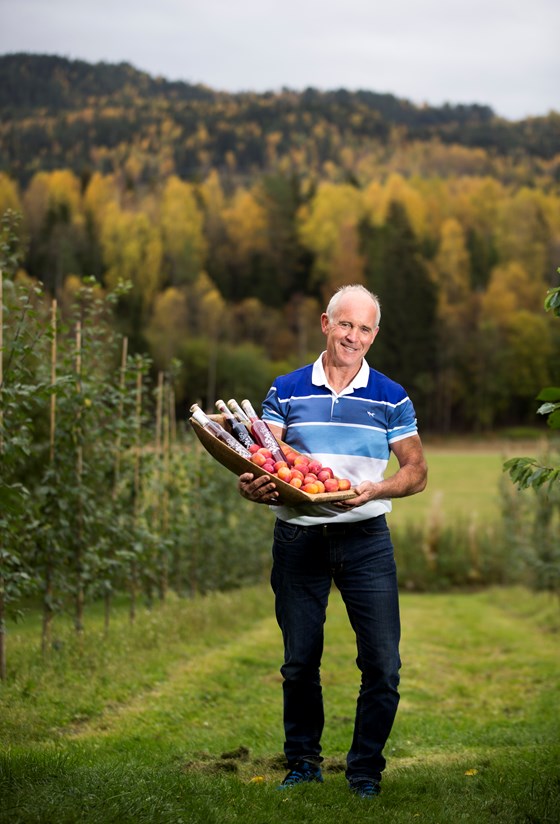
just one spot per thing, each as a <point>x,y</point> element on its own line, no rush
<point>366,491</point>
<point>410,478</point>
<point>260,490</point>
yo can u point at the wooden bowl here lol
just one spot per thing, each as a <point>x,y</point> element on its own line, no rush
<point>288,495</point>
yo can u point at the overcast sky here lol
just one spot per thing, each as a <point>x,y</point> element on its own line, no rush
<point>502,53</point>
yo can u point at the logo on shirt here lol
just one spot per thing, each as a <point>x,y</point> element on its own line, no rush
<point>371,414</point>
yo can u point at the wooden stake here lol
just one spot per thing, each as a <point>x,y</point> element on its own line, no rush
<point>172,416</point>
<point>138,442</point>
<point>46,631</point>
<point>53,379</point>
<point>164,574</point>
<point>122,385</point>
<point>1,358</point>
<point>158,556</point>
<point>2,584</point>
<point>136,511</point>
<point>80,596</point>
<point>122,381</point>
<point>159,407</point>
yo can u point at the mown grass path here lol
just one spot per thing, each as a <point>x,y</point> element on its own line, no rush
<point>200,740</point>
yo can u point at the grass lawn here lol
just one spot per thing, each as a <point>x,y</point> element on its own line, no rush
<point>179,719</point>
<point>463,481</point>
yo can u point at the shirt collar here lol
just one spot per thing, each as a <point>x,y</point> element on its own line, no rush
<point>318,377</point>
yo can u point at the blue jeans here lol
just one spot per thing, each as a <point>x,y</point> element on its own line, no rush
<point>359,559</point>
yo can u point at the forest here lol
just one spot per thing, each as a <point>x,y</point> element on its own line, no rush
<point>225,221</point>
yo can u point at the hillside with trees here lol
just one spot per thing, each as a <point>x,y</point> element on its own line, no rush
<point>233,217</point>
<point>62,113</point>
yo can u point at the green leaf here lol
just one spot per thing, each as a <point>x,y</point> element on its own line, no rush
<point>552,301</point>
<point>549,393</point>
<point>515,463</point>
<point>547,408</point>
<point>540,476</point>
<point>554,419</point>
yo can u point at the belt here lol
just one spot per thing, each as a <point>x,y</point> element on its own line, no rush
<point>340,528</point>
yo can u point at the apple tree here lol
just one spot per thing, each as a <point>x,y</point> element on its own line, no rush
<point>529,472</point>
<point>535,531</point>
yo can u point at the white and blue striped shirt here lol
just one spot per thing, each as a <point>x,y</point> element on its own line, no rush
<point>350,432</point>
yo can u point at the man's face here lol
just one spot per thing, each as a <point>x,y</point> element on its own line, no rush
<point>351,333</point>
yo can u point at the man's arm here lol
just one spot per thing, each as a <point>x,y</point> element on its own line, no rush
<point>410,478</point>
<point>260,489</point>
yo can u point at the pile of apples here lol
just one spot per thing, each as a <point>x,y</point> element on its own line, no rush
<point>300,471</point>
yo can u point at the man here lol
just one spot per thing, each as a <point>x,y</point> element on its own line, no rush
<point>349,417</point>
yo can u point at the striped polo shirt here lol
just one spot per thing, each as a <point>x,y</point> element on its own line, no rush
<point>350,432</point>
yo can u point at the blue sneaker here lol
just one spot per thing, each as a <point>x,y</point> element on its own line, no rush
<point>302,772</point>
<point>365,787</point>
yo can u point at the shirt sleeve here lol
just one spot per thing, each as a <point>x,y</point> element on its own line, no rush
<point>272,411</point>
<point>402,422</point>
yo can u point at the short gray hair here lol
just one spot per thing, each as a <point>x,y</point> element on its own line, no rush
<point>354,288</point>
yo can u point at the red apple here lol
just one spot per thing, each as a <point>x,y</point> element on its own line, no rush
<point>254,448</point>
<point>325,474</point>
<point>343,484</point>
<point>296,482</point>
<point>285,473</point>
<point>315,467</point>
<point>331,485</point>
<point>258,458</point>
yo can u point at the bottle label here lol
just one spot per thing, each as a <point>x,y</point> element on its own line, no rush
<point>239,448</point>
<point>245,438</point>
<point>268,439</point>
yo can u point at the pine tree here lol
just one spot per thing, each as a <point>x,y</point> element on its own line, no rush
<point>405,348</point>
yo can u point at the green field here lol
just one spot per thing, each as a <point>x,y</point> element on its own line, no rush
<point>178,719</point>
<point>463,481</point>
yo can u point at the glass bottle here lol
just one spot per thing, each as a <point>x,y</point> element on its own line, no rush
<point>218,430</point>
<point>237,429</point>
<point>238,412</point>
<point>261,433</point>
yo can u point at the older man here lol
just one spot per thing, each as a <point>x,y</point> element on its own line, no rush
<point>350,417</point>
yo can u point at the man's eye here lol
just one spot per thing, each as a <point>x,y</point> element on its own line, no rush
<point>345,324</point>
<point>366,330</point>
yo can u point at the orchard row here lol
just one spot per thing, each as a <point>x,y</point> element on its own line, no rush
<point>102,490</point>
